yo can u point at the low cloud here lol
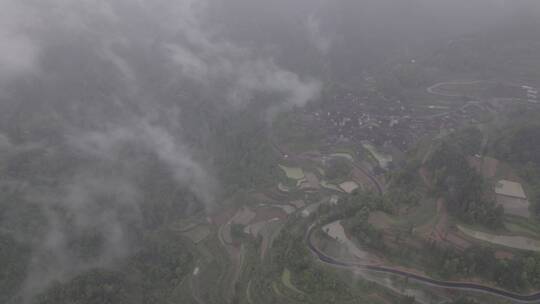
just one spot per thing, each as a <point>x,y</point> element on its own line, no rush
<point>110,89</point>
<point>18,53</point>
<point>107,145</point>
<point>90,208</point>
<point>321,41</point>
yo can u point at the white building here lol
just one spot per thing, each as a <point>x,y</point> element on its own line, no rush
<point>511,189</point>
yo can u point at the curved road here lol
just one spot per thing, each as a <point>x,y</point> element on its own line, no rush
<point>530,298</point>
<point>433,88</point>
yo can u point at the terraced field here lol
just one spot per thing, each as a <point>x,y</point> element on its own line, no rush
<point>293,172</point>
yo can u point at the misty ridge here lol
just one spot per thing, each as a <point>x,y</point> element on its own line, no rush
<point>117,116</point>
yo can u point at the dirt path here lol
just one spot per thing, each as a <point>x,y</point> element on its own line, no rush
<point>194,294</point>
<point>237,259</point>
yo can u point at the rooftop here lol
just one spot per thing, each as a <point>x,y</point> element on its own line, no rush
<point>509,188</point>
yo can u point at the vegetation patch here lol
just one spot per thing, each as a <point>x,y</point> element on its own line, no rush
<point>286,280</point>
<point>343,155</point>
<point>184,225</point>
<point>461,186</point>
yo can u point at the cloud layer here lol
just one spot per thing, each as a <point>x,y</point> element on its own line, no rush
<point>112,76</point>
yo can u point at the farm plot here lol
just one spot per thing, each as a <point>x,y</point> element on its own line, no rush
<point>514,206</point>
<point>349,186</point>
<point>329,186</point>
<point>266,213</point>
<point>293,172</point>
<point>522,226</point>
<point>312,181</point>
<point>343,155</point>
<point>283,188</point>
<point>184,225</point>
<point>517,242</point>
<point>244,216</point>
<point>380,220</point>
<point>197,233</point>
<point>299,204</point>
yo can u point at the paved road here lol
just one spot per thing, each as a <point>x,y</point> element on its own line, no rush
<point>529,298</point>
<point>433,88</point>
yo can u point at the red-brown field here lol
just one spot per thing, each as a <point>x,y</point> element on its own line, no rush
<point>268,213</point>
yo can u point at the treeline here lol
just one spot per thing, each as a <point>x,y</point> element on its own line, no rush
<point>521,272</point>
<point>150,276</point>
<point>365,233</point>
<point>290,251</point>
<point>14,258</point>
<point>521,146</point>
<point>242,153</point>
<point>461,186</point>
<point>360,202</point>
<point>405,187</point>
<point>337,168</point>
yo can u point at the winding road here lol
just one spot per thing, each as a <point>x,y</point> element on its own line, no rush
<point>465,286</point>
<point>433,88</point>
<point>530,298</point>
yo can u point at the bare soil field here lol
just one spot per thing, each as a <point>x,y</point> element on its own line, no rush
<point>255,228</point>
<point>299,204</point>
<point>336,231</point>
<point>514,206</point>
<point>222,217</point>
<point>457,241</point>
<point>267,213</point>
<point>349,186</point>
<point>363,180</point>
<point>243,216</point>
<point>502,254</point>
<point>485,166</point>
<point>313,180</point>
<point>198,234</point>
